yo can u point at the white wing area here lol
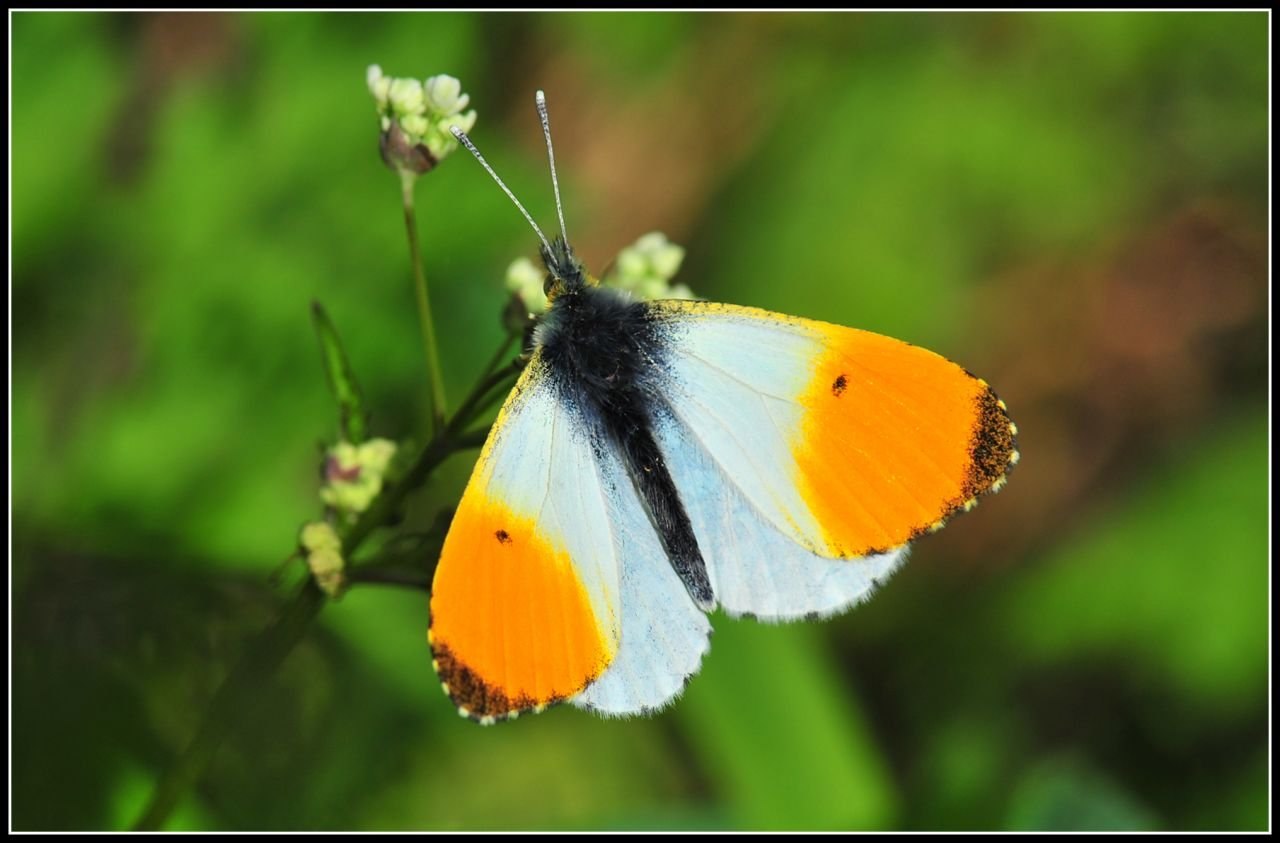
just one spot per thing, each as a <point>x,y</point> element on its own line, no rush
<point>664,633</point>
<point>547,465</point>
<point>735,381</point>
<point>543,467</point>
<point>754,568</point>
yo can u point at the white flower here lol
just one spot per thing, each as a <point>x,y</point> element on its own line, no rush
<point>465,122</point>
<point>415,125</point>
<point>439,138</point>
<point>379,85</point>
<point>444,93</point>
<point>406,97</point>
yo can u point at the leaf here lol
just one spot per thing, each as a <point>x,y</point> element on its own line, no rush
<point>1063,794</point>
<point>342,380</point>
<point>782,735</point>
<point>1177,576</point>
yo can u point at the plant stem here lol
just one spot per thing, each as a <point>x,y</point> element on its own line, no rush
<point>496,360</point>
<point>401,577</point>
<point>474,439</point>
<point>438,408</point>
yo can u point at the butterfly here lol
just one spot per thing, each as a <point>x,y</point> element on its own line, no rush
<point>659,459</point>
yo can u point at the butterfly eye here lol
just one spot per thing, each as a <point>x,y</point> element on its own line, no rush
<point>552,287</point>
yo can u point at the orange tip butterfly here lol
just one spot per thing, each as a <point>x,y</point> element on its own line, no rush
<point>659,459</point>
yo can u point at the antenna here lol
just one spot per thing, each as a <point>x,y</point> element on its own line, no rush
<point>541,100</point>
<point>471,147</point>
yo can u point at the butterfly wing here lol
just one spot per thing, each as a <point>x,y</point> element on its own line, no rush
<point>756,569</point>
<point>797,445</point>
<point>551,580</point>
<point>524,605</point>
<point>664,632</point>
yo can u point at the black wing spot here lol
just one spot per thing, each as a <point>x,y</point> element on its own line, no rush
<point>503,537</point>
<point>841,384</point>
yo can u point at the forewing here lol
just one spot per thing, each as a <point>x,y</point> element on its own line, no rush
<point>756,569</point>
<point>846,444</point>
<point>525,606</point>
<point>553,584</point>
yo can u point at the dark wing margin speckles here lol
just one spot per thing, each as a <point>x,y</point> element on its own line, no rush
<point>474,697</point>
<point>994,449</point>
<point>993,452</point>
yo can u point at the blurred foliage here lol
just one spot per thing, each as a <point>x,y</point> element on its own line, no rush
<point>1073,205</point>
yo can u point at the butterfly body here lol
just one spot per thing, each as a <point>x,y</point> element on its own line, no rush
<point>605,353</point>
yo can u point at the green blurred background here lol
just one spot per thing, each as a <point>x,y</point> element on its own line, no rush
<point>1072,205</point>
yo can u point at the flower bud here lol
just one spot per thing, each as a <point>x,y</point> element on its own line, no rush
<point>379,86</point>
<point>445,94</point>
<point>526,281</point>
<point>317,535</point>
<point>323,551</point>
<point>406,97</point>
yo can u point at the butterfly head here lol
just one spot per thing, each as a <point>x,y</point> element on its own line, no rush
<point>565,272</point>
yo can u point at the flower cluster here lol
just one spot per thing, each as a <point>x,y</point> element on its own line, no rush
<point>644,269</point>
<point>354,474</point>
<point>417,118</point>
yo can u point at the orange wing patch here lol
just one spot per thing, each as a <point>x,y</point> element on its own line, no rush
<point>894,440</point>
<point>512,627</point>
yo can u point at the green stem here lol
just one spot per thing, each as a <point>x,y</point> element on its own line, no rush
<point>438,403</point>
<point>474,439</point>
<point>238,694</point>
<point>496,360</point>
<point>401,577</point>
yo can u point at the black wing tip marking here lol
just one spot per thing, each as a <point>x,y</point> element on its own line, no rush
<point>993,449</point>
